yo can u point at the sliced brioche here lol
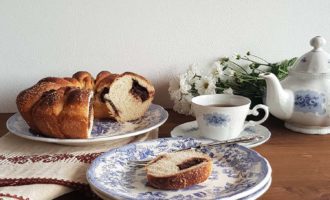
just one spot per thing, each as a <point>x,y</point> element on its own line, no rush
<point>178,170</point>
<point>103,81</point>
<point>122,97</point>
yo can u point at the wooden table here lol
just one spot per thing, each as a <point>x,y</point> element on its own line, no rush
<point>300,163</point>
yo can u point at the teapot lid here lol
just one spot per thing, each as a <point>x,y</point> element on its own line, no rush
<point>316,61</point>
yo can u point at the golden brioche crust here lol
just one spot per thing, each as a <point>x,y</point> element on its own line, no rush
<point>100,76</point>
<point>85,78</point>
<point>75,118</point>
<point>63,113</point>
<point>45,113</point>
<point>27,98</point>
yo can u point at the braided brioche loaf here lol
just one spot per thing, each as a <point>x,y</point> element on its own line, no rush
<point>65,107</point>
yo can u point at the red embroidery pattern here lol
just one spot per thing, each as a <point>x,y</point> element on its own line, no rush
<point>29,181</point>
<point>87,158</point>
<point>84,158</point>
<point>41,158</point>
<point>12,196</point>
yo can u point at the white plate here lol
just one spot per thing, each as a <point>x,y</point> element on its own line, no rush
<point>103,131</point>
<point>237,172</point>
<point>253,196</point>
<point>259,193</point>
<point>190,129</point>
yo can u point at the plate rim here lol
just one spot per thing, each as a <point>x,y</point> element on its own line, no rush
<point>260,192</point>
<point>88,140</point>
<point>243,144</point>
<point>255,195</point>
<point>234,196</point>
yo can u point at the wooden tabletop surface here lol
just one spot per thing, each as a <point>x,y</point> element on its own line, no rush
<point>300,163</point>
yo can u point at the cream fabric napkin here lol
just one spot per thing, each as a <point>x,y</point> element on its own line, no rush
<point>24,161</point>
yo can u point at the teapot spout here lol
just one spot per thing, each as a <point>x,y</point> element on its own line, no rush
<point>280,101</point>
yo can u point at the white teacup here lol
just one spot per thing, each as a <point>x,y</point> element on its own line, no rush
<point>222,116</point>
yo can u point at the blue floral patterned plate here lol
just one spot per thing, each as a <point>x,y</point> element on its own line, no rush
<point>102,131</point>
<point>237,172</point>
<point>190,129</point>
<point>252,196</point>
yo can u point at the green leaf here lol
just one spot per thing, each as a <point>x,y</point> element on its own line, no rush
<point>193,90</point>
<point>219,90</point>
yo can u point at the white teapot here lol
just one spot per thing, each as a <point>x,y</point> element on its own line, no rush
<point>302,99</point>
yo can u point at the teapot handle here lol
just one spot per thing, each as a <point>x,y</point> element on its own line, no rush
<point>255,112</point>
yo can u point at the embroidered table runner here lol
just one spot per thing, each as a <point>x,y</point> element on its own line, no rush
<point>37,170</point>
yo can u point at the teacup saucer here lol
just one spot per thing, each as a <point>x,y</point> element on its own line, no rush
<point>190,129</point>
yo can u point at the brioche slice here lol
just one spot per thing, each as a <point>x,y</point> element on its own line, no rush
<point>178,170</point>
<point>122,97</point>
<point>102,84</point>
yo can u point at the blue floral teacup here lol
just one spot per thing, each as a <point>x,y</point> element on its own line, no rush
<point>222,116</point>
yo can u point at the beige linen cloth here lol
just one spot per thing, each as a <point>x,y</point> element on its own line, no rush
<point>38,170</point>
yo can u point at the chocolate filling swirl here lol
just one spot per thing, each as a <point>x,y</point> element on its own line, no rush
<point>138,91</point>
<point>191,162</point>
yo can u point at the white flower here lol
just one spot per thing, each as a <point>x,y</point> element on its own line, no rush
<point>229,72</point>
<point>180,86</point>
<point>217,69</point>
<point>174,88</point>
<point>175,94</point>
<point>188,78</point>
<point>191,74</point>
<point>194,69</point>
<point>206,85</point>
<point>185,86</point>
<point>236,55</point>
<point>228,91</point>
<point>174,83</point>
<point>188,97</point>
<point>183,107</point>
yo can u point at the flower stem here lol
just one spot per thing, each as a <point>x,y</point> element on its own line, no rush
<point>238,66</point>
<point>258,63</point>
<point>282,71</point>
<point>260,58</point>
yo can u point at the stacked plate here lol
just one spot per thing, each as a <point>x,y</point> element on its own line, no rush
<point>238,172</point>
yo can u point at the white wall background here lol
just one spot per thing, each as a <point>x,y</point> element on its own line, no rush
<point>156,38</point>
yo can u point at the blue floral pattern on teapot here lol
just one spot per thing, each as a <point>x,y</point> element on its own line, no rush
<point>309,101</point>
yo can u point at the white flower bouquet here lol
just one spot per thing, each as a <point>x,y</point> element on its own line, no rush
<point>239,75</point>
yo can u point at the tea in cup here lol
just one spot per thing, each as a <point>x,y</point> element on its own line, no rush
<point>222,116</point>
